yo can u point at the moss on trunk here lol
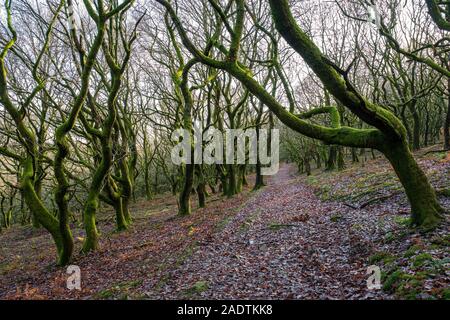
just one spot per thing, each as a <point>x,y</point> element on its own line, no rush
<point>121,223</point>
<point>426,211</point>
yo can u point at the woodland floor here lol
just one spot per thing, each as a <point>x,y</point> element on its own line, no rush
<point>298,238</point>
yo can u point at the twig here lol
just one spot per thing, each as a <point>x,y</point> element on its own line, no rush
<point>370,201</point>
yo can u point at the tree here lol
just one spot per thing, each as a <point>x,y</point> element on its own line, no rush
<point>32,139</point>
<point>388,135</point>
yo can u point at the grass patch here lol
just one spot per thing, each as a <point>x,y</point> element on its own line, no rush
<point>277,226</point>
<point>446,294</point>
<point>391,236</point>
<point>403,285</point>
<point>422,259</point>
<point>381,256</point>
<point>183,257</point>
<point>412,251</point>
<point>391,280</point>
<point>403,221</point>
<point>409,288</point>
<point>249,221</point>
<point>119,290</point>
<point>335,218</point>
<point>7,267</point>
<point>442,241</point>
<point>197,288</point>
<point>223,223</point>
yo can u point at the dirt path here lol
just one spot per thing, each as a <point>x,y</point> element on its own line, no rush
<point>284,243</point>
<point>281,242</point>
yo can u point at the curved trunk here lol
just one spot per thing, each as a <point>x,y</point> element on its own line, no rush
<point>41,214</point>
<point>61,200</point>
<point>92,202</point>
<point>426,211</point>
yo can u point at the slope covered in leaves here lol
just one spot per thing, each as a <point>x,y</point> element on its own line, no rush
<point>292,241</point>
<point>298,238</point>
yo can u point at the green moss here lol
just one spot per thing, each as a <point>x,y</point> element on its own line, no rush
<point>422,259</point>
<point>422,275</point>
<point>383,256</point>
<point>223,223</point>
<point>6,267</point>
<point>403,285</point>
<point>403,221</point>
<point>411,251</point>
<point>276,227</point>
<point>198,287</point>
<point>119,290</point>
<point>311,180</point>
<point>105,294</point>
<point>335,218</point>
<point>409,289</point>
<point>445,192</point>
<point>389,237</point>
<point>357,226</point>
<point>446,294</point>
<point>411,285</point>
<point>391,280</point>
<point>442,241</point>
<point>440,155</point>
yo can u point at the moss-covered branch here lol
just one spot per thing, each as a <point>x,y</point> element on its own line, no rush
<point>389,136</point>
<point>435,13</point>
<point>330,75</point>
<point>335,117</point>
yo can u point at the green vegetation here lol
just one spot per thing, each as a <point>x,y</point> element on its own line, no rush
<point>115,107</point>
<point>336,217</point>
<point>381,256</point>
<point>197,288</point>
<point>118,291</point>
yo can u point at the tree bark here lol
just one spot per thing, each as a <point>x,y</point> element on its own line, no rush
<point>425,208</point>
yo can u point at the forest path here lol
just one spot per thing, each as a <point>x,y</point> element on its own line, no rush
<point>284,243</point>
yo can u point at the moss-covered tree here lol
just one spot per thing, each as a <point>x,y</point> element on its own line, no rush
<point>388,134</point>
